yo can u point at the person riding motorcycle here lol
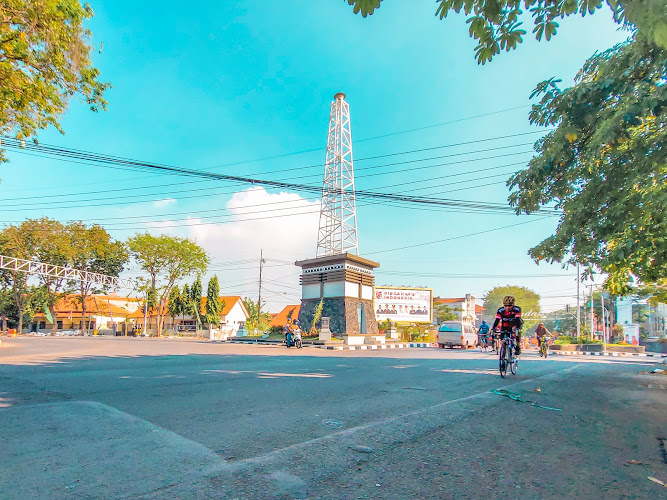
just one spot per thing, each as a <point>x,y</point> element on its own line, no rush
<point>509,318</point>
<point>288,333</point>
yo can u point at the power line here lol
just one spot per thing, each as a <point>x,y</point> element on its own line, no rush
<point>304,187</point>
<point>454,237</point>
<point>198,194</point>
<point>170,224</point>
<point>24,142</point>
<point>301,203</point>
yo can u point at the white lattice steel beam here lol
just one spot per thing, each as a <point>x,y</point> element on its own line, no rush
<point>338,215</point>
<point>50,270</point>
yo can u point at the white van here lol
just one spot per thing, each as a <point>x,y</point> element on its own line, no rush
<point>457,333</point>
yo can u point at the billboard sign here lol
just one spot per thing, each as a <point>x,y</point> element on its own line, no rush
<point>405,305</point>
<point>631,334</point>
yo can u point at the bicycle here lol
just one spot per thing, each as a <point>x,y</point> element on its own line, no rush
<point>544,347</point>
<point>483,342</point>
<point>507,356</point>
<point>495,344</point>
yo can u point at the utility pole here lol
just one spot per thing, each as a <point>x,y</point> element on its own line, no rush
<point>592,321</point>
<point>604,322</point>
<point>259,299</point>
<point>578,306</point>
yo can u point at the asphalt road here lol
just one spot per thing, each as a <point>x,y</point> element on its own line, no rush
<point>144,418</point>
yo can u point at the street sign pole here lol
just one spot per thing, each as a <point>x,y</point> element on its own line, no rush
<point>578,305</point>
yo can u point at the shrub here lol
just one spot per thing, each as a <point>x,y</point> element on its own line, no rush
<point>565,339</point>
<point>275,330</point>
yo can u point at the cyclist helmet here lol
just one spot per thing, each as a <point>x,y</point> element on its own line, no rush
<point>508,300</point>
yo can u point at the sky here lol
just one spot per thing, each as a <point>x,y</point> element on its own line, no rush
<point>245,87</point>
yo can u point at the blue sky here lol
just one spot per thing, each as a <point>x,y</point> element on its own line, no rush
<point>217,85</point>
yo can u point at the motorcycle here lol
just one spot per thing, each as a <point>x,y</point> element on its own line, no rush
<point>293,338</point>
<point>296,338</point>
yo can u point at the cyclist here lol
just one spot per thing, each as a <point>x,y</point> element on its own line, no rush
<point>483,333</point>
<point>540,333</point>
<point>509,318</point>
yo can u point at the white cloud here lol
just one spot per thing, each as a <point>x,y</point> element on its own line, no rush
<point>164,202</point>
<point>283,225</point>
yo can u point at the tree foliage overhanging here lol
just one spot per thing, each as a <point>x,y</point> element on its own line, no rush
<point>605,166</point>
<point>497,25</point>
<point>44,62</point>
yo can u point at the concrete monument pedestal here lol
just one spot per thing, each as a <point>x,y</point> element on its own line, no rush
<point>325,332</point>
<point>392,332</point>
<point>344,284</point>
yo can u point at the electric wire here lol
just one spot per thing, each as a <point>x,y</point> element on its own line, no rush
<point>309,188</point>
<point>161,195</point>
<point>238,211</point>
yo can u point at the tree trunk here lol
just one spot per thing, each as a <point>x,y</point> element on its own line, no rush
<point>52,309</point>
<point>4,322</point>
<point>159,321</point>
<point>19,301</point>
<point>83,314</point>
<point>19,326</point>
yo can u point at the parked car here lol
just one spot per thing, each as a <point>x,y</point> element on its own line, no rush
<point>457,333</point>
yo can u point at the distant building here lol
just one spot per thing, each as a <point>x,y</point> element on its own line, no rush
<point>126,314</point>
<point>465,307</point>
<point>280,319</point>
<point>102,312</point>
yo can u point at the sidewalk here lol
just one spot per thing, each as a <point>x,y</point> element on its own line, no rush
<point>615,354</point>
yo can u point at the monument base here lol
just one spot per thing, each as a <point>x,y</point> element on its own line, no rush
<point>348,315</point>
<point>392,333</point>
<point>364,339</point>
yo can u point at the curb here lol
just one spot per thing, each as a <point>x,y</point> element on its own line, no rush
<point>614,354</point>
<point>376,346</point>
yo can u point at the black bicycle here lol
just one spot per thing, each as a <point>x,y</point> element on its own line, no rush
<point>507,357</point>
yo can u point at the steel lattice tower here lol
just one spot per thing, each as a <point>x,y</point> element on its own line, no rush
<point>338,215</point>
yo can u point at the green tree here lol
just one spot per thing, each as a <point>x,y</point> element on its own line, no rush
<point>252,323</point>
<point>526,299</point>
<point>46,240</point>
<point>16,243</point>
<point>195,297</point>
<point>186,303</point>
<point>561,321</point>
<point>175,304</point>
<point>442,312</point>
<point>7,306</point>
<point>213,304</point>
<point>93,251</point>
<point>166,260</point>
<point>44,62</point>
<point>498,24</point>
<point>317,315</point>
<point>604,166</point>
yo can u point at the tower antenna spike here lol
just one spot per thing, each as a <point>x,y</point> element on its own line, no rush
<point>338,214</point>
